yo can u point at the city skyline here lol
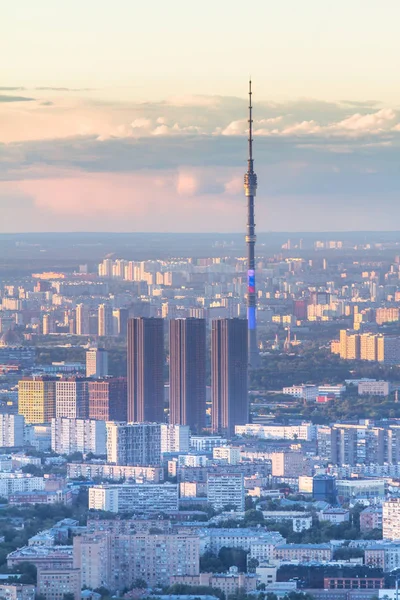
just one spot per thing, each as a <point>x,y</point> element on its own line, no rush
<point>97,139</point>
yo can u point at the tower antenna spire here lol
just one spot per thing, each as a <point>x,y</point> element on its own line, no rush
<point>250,189</point>
<point>250,121</point>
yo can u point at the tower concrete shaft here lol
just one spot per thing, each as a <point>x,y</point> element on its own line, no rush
<point>250,189</point>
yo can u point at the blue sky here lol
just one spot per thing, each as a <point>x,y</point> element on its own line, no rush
<point>132,115</point>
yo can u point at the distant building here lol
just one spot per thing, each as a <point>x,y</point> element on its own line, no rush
<point>96,362</point>
<point>105,321</point>
<point>226,490</point>
<point>229,583</point>
<point>54,584</point>
<point>78,435</point>
<point>206,443</point>
<point>141,498</point>
<point>335,515</point>
<point>11,430</point>
<point>72,398</point>
<point>175,438</point>
<point>82,321</point>
<point>324,488</point>
<point>303,552</point>
<point>371,518</point>
<point>108,399</point>
<point>374,388</point>
<point>391,519</point>
<point>37,399</point>
<point>308,392</point>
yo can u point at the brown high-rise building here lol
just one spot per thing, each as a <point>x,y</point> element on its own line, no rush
<point>229,367</point>
<point>187,373</point>
<point>145,370</point>
<point>108,399</point>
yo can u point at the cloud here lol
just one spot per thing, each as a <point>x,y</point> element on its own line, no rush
<point>7,98</point>
<point>62,89</point>
<point>11,89</point>
<point>179,165</point>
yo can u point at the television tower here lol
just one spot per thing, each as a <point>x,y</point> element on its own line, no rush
<point>250,189</point>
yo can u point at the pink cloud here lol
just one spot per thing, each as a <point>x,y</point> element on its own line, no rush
<point>132,202</point>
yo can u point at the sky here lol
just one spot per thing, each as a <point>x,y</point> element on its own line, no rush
<point>131,116</point>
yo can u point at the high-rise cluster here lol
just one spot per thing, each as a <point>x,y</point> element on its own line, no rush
<point>188,372</point>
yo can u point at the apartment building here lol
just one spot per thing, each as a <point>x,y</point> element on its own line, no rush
<point>78,435</point>
<point>226,489</point>
<point>134,443</point>
<point>141,498</point>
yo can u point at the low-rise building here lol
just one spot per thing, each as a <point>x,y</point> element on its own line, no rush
<point>115,472</point>
<point>54,584</point>
<point>54,557</point>
<point>371,518</point>
<point>374,388</point>
<point>206,443</point>
<point>303,552</point>
<point>307,392</point>
<point>64,496</point>
<point>227,454</point>
<point>17,591</point>
<point>304,431</point>
<point>229,583</point>
<point>335,515</point>
<point>383,555</point>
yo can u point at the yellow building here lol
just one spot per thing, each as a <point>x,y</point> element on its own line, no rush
<point>349,345</point>
<point>37,399</point>
<point>387,315</point>
<point>369,346</point>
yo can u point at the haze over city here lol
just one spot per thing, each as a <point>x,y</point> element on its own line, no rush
<point>134,118</point>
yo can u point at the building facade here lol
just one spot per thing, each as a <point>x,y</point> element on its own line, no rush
<point>145,370</point>
<point>187,373</point>
<point>229,370</point>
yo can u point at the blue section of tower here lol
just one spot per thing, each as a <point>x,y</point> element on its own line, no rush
<point>251,317</point>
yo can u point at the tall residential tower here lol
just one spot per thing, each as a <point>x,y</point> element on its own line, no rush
<point>145,370</point>
<point>250,188</point>
<point>187,379</point>
<point>229,364</point>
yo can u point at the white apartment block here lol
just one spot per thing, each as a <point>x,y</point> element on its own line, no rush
<point>19,482</point>
<point>175,438</point>
<point>259,543</point>
<point>192,460</point>
<point>134,443</point>
<point>226,489</point>
<point>71,398</point>
<point>78,435</point>
<point>206,443</point>
<point>308,393</point>
<point>11,430</point>
<point>329,389</point>
<point>142,498</point>
<point>391,519</point>
<point>227,454</point>
<point>115,472</point>
<point>305,431</point>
